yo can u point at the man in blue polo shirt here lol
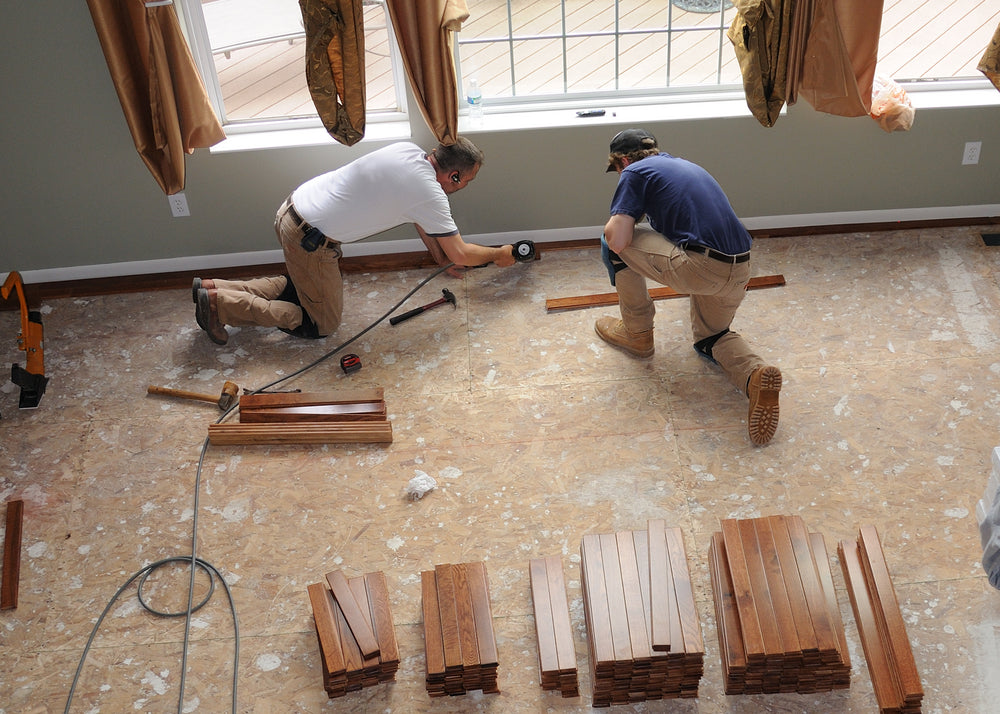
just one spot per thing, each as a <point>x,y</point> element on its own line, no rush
<point>696,245</point>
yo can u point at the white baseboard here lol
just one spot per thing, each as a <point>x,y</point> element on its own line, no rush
<point>552,235</point>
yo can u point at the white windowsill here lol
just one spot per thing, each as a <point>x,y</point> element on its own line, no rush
<point>937,95</point>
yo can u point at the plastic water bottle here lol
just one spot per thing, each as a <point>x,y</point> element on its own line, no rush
<point>475,99</point>
<point>988,515</point>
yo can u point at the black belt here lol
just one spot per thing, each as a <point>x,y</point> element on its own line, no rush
<point>306,228</point>
<point>716,255</point>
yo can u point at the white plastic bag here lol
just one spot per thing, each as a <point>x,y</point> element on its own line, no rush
<point>891,106</point>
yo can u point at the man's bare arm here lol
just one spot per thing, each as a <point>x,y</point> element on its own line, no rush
<point>618,232</point>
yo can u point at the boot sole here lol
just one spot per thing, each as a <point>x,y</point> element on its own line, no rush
<point>762,421</point>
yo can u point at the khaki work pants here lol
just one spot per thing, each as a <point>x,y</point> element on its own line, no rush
<point>716,289</point>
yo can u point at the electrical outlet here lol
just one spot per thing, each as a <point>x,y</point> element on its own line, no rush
<point>178,204</point>
<point>971,153</point>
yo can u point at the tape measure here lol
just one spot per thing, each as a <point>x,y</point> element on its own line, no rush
<point>350,363</point>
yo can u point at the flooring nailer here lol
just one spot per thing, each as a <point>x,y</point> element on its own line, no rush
<point>31,379</point>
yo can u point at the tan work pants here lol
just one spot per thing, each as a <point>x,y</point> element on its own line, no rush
<point>716,289</point>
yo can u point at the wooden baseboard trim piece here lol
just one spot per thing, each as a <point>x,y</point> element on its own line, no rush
<point>11,555</point>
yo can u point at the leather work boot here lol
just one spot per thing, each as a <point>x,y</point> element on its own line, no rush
<point>762,389</point>
<point>196,285</point>
<point>613,331</point>
<point>207,313</point>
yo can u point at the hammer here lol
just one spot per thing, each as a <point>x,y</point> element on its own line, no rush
<point>448,297</point>
<point>230,392</point>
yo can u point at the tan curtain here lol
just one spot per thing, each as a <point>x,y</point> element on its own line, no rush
<point>335,65</point>
<point>761,34</point>
<point>164,101</point>
<point>838,68</point>
<point>425,31</point>
<point>990,63</point>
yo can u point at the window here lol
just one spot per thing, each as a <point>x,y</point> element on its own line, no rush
<point>252,59</point>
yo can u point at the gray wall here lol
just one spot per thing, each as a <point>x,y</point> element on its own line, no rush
<point>76,193</point>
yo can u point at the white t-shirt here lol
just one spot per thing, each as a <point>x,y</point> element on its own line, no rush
<point>378,191</point>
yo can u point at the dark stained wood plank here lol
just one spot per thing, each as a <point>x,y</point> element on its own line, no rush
<point>618,616</point>
<point>449,616</point>
<point>560,614</point>
<point>605,299</point>
<point>270,400</point>
<point>793,585</point>
<point>466,617</point>
<point>321,599</point>
<point>826,638</point>
<point>12,554</point>
<point>739,575</point>
<point>660,584</point>
<point>635,613</point>
<point>378,603</point>
<point>433,639</point>
<point>784,619</point>
<point>820,555</point>
<point>596,602</point>
<point>353,613</point>
<point>548,656</point>
<point>479,586</point>
<point>759,587</point>
<point>686,608</point>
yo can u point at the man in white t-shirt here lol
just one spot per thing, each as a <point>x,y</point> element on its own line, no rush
<point>398,184</point>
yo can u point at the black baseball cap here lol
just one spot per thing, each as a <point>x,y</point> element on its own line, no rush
<point>629,140</point>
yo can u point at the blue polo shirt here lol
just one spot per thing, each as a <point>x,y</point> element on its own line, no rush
<point>682,201</point>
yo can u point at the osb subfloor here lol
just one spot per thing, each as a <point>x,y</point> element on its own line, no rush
<point>536,433</point>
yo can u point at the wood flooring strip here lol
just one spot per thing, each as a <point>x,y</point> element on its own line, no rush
<point>365,411</point>
<point>616,597</point>
<point>812,588</point>
<point>784,619</point>
<point>9,585</point>
<point>734,659</point>
<point>433,639</point>
<point>479,586</point>
<point>353,614</point>
<point>240,434</point>
<point>466,617</point>
<point>759,586</point>
<point>541,600</point>
<point>886,693</point>
<point>267,400</point>
<point>686,608</point>
<point>820,555</point>
<point>888,613</point>
<point>739,575</point>
<point>321,599</point>
<point>660,585</point>
<point>449,617</point>
<point>354,660</point>
<point>793,585</point>
<point>635,613</point>
<point>596,601</point>
<point>605,299</point>
<point>565,649</point>
<point>385,629</point>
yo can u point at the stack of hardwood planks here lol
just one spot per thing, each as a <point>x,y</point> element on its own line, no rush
<point>643,627</point>
<point>887,648</point>
<point>556,651</point>
<point>459,643</point>
<point>357,641</point>
<point>341,417</point>
<point>779,623</point>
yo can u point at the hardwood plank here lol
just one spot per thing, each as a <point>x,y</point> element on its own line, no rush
<point>596,601</point>
<point>820,555</point>
<point>12,554</point>
<point>793,585</point>
<point>541,600</point>
<point>604,299</point>
<point>727,615</point>
<point>479,586</point>
<point>353,613</point>
<point>360,592</point>
<point>321,599</point>
<point>449,616</point>
<point>378,603</point>
<point>660,585</point>
<point>616,598</point>
<point>759,588</point>
<point>433,638</point>
<point>686,608</point>
<point>368,411</point>
<point>466,618</point>
<point>375,432</point>
<point>811,586</point>
<point>559,602</point>
<point>888,612</point>
<point>635,613</point>
<point>270,400</point>
<point>354,661</point>
<point>784,619</point>
<point>739,575</point>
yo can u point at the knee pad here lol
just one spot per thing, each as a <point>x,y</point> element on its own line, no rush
<point>704,347</point>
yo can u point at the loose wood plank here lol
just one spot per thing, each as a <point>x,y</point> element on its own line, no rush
<point>826,638</point>
<point>479,587</point>
<point>541,600</point>
<point>686,608</point>
<point>359,624</point>
<point>604,299</point>
<point>560,614</point>
<point>660,585</point>
<point>362,411</point>
<point>784,620</point>
<point>378,603</point>
<point>596,600</point>
<point>375,432</point>
<point>635,613</point>
<point>616,597</point>
<point>11,554</point>
<point>820,555</point>
<point>466,617</point>
<point>325,617</point>
<point>449,617</point>
<point>753,638</point>
<point>301,399</point>
<point>433,639</point>
<point>759,585</point>
<point>793,585</point>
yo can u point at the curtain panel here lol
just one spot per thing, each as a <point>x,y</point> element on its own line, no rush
<point>165,104</point>
<point>425,32</point>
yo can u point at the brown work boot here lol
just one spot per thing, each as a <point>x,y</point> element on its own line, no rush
<point>762,389</point>
<point>207,315</point>
<point>614,332</point>
<point>196,285</point>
